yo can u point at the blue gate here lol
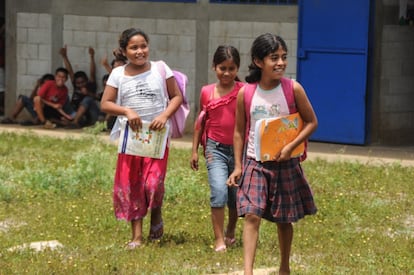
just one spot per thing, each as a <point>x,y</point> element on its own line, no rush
<point>333,54</point>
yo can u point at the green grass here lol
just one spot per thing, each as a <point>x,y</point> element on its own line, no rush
<point>61,189</point>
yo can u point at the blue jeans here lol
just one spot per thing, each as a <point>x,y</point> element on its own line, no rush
<point>220,163</point>
<point>28,105</point>
<point>92,110</point>
<point>67,108</point>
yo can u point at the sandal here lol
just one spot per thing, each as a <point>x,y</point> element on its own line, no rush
<point>49,125</point>
<point>8,120</point>
<point>29,123</point>
<point>133,245</point>
<point>156,231</point>
<point>229,241</point>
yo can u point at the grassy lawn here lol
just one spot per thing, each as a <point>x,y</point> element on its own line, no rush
<point>60,189</point>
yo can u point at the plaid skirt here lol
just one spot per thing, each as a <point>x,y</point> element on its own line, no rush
<point>275,191</point>
<point>138,185</point>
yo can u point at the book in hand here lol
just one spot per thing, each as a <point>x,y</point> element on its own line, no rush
<point>145,142</point>
<point>272,134</point>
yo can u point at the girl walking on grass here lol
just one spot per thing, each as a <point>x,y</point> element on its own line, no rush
<point>139,86</point>
<point>276,190</point>
<point>214,129</point>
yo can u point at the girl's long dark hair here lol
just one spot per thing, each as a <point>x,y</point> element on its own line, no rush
<point>225,52</point>
<point>124,39</point>
<point>262,46</point>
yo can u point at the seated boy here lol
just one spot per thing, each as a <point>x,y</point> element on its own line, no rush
<point>26,102</point>
<point>50,99</point>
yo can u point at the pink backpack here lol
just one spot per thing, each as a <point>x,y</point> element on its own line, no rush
<point>287,87</point>
<point>179,118</point>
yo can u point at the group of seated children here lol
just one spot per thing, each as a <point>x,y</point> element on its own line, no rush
<point>50,104</point>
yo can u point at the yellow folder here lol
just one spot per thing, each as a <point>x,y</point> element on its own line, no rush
<point>272,134</point>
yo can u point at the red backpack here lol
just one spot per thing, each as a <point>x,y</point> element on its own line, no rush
<point>287,87</point>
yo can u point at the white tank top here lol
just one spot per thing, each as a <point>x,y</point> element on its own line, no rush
<point>265,104</point>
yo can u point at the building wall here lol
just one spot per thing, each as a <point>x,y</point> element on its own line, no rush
<point>33,47</point>
<point>392,108</point>
<point>186,35</point>
<point>397,85</point>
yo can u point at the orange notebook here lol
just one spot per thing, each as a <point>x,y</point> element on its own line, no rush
<point>272,134</point>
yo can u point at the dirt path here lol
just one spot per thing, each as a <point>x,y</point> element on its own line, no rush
<point>372,155</point>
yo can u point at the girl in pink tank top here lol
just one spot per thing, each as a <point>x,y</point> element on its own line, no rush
<point>214,130</point>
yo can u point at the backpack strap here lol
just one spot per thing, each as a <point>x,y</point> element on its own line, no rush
<point>289,93</point>
<point>205,97</point>
<point>161,70</point>
<point>249,90</point>
<point>287,87</point>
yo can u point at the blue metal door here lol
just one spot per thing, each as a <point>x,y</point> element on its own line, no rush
<point>333,51</point>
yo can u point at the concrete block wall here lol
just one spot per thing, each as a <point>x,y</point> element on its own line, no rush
<point>174,41</point>
<point>397,85</point>
<point>186,36</point>
<point>33,37</point>
<point>242,34</point>
<point>170,40</point>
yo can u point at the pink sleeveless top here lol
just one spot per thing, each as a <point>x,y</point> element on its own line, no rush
<point>221,114</point>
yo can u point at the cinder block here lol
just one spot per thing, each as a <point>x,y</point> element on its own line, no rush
<point>148,25</point>
<point>25,83</point>
<point>159,43</point>
<point>68,37</point>
<point>39,36</point>
<point>400,85</point>
<point>289,31</point>
<point>45,52</point>
<point>265,27</point>
<point>180,43</point>
<point>397,121</point>
<point>27,20</point>
<point>29,51</point>
<point>215,28</point>
<point>408,68</point>
<point>244,45</point>
<point>393,50</point>
<point>84,38</point>
<point>21,66</point>
<point>238,29</point>
<point>391,68</point>
<point>397,33</point>
<point>226,29</point>
<point>108,40</point>
<point>292,48</point>
<point>119,24</point>
<point>34,67</point>
<point>177,27</point>
<point>73,22</point>
<point>21,35</point>
<point>45,21</point>
<point>95,23</point>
